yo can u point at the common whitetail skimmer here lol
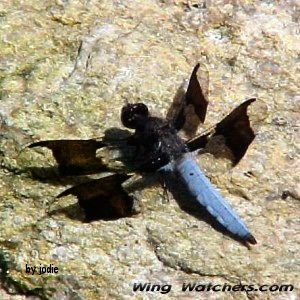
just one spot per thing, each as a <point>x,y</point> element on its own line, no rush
<point>158,148</point>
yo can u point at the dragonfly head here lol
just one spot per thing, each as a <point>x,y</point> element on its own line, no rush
<point>134,115</point>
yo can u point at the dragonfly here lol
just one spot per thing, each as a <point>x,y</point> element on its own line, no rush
<point>159,148</point>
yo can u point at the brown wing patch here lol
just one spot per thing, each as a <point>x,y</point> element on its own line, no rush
<point>195,96</point>
<point>236,130</point>
<point>189,108</point>
<point>103,198</point>
<point>75,157</point>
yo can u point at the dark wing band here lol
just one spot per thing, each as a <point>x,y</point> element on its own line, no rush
<point>188,109</point>
<point>75,157</point>
<point>236,130</point>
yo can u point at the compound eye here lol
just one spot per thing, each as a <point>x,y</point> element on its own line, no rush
<point>133,115</point>
<point>140,109</point>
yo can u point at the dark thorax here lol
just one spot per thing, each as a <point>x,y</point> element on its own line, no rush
<point>156,139</point>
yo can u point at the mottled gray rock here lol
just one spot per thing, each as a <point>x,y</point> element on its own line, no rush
<point>66,69</point>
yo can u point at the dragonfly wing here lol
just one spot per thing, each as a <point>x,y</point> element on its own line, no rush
<point>234,128</point>
<point>189,108</point>
<point>103,198</point>
<point>75,157</point>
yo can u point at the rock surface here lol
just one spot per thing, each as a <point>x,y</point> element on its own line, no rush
<point>66,69</point>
